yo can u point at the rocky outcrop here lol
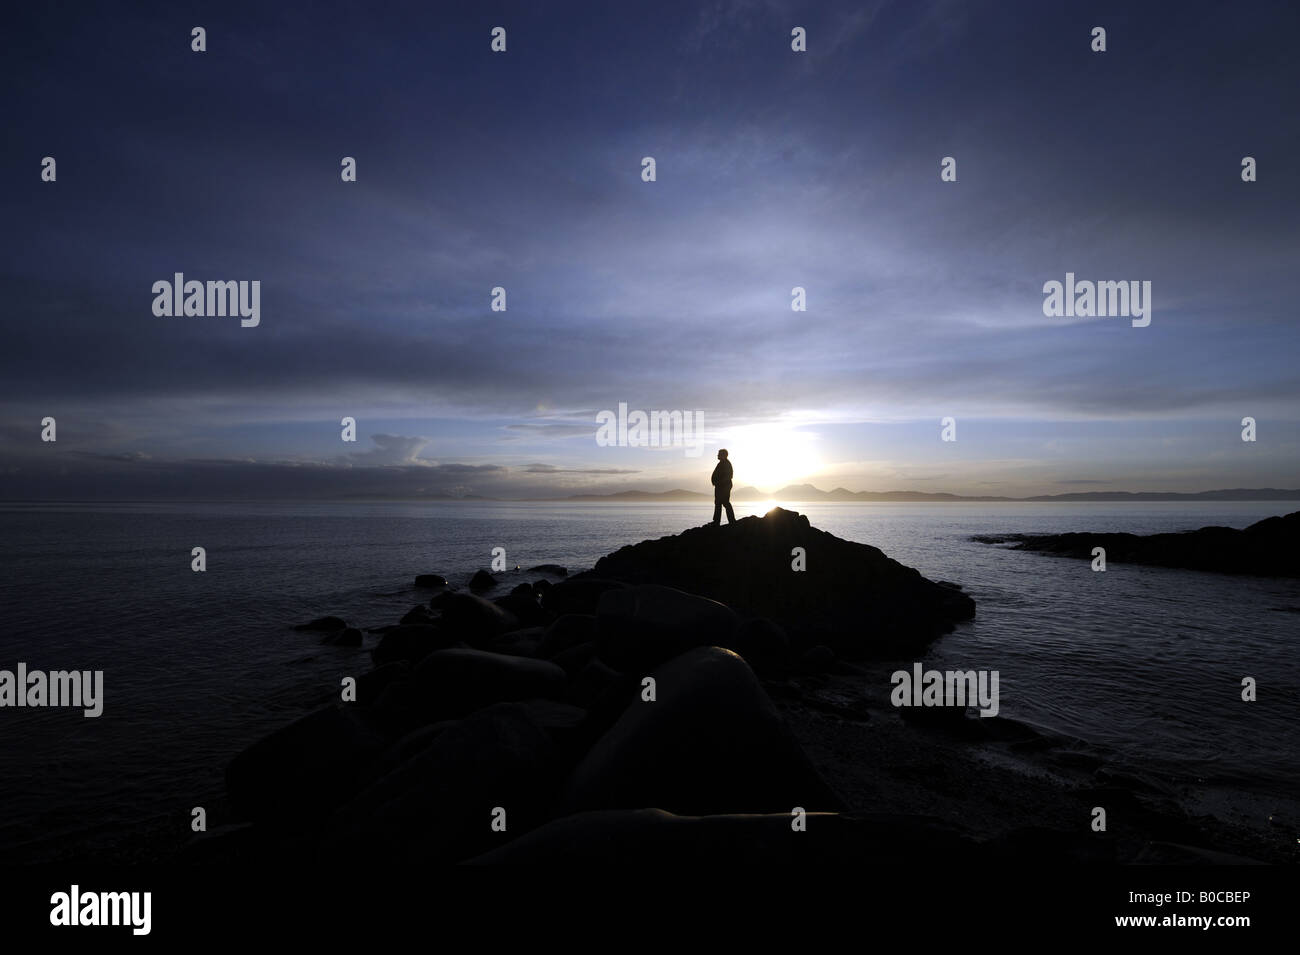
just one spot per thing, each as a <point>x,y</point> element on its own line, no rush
<point>849,596</point>
<point>1269,548</point>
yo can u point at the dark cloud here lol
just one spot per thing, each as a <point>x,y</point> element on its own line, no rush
<point>775,170</point>
<point>551,469</point>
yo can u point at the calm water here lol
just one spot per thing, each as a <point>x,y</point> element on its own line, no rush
<point>1142,661</point>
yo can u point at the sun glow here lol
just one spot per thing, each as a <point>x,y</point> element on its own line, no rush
<point>771,456</point>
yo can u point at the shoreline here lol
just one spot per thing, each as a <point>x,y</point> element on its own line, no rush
<point>803,724</point>
<point>989,776</point>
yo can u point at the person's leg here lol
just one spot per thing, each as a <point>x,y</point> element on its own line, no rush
<point>731,515</point>
<point>717,510</point>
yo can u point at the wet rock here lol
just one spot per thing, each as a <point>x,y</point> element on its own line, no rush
<point>555,570</point>
<point>481,581</point>
<point>323,624</point>
<point>430,581</point>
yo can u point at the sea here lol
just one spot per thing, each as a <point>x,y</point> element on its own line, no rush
<point>1144,663</point>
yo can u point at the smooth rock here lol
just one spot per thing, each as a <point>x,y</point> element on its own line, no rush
<point>474,619</point>
<point>303,771</point>
<point>573,660</point>
<point>372,683</point>
<point>525,608</point>
<point>554,570</point>
<point>420,615</point>
<point>437,806</point>
<point>410,642</point>
<point>520,643</point>
<point>451,683</point>
<point>577,595</point>
<point>571,630</point>
<point>639,627</point>
<point>712,742</point>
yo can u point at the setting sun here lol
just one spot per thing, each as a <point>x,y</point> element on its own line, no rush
<point>771,456</point>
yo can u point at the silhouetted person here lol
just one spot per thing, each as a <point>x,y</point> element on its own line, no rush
<point>722,489</point>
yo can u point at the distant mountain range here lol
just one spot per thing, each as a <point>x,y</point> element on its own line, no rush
<point>806,493</point>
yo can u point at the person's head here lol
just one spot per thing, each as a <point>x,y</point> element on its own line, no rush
<point>722,455</point>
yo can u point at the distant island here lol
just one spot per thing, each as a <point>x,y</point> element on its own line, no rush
<point>805,493</point>
<point>1266,548</point>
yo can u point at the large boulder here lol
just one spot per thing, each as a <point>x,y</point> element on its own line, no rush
<point>303,771</point>
<point>850,597</point>
<point>711,742</point>
<point>578,594</point>
<point>525,607</point>
<point>372,684</point>
<point>763,644</point>
<point>437,803</point>
<point>518,643</point>
<point>564,633</point>
<point>451,683</point>
<point>637,628</point>
<point>573,660</point>
<point>555,570</point>
<point>481,581</point>
<point>411,642</point>
<point>420,614</point>
<point>474,619</point>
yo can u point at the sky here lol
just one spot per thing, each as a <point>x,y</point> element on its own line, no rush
<point>522,170</point>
